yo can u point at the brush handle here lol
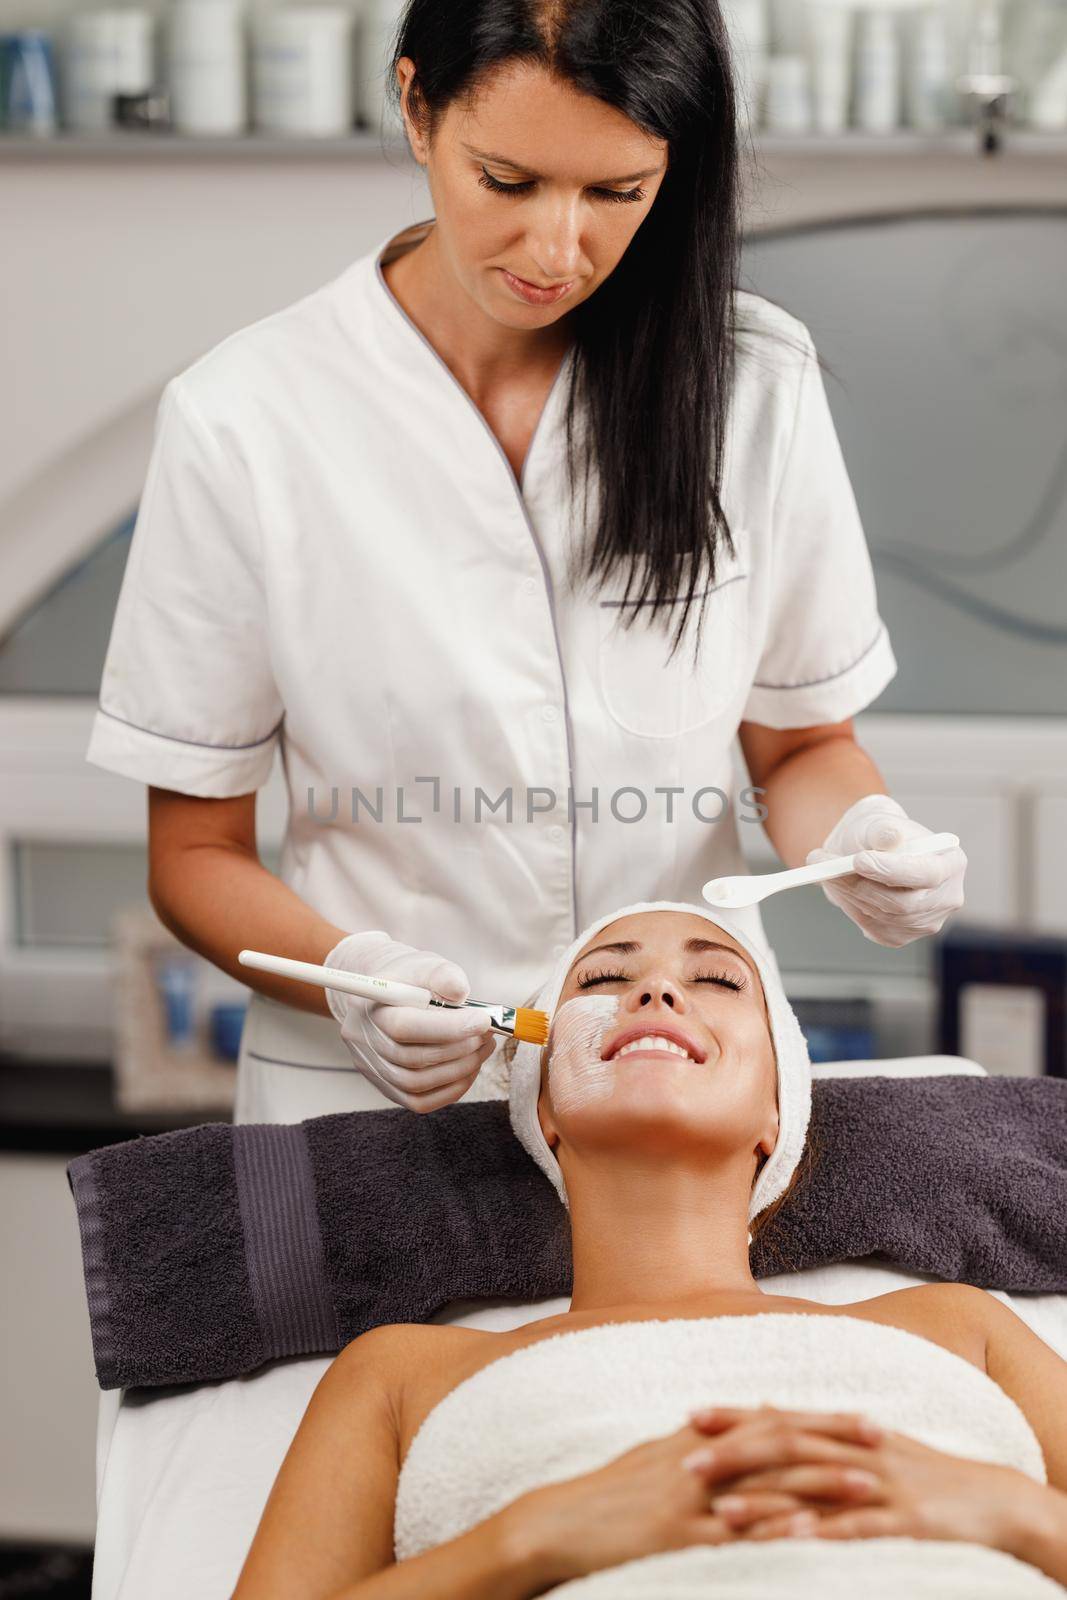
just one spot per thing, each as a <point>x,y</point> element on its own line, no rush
<point>385,990</point>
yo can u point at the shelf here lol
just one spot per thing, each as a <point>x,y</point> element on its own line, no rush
<point>363,143</point>
<point>909,142</point>
<point>161,146</point>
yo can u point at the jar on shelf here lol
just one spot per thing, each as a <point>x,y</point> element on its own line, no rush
<point>930,93</point>
<point>877,94</point>
<point>829,41</point>
<point>302,71</point>
<point>107,53</point>
<point>206,67</point>
<point>788,94</point>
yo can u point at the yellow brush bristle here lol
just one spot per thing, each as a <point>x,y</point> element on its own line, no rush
<point>531,1026</point>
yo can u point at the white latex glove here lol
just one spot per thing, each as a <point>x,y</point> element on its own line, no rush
<point>419,1057</point>
<point>893,895</point>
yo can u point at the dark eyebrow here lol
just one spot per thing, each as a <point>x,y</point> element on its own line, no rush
<point>502,161</point>
<point>629,947</point>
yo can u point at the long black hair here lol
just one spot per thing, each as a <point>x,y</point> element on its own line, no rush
<point>654,346</point>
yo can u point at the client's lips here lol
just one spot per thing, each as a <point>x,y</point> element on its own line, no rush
<point>649,1030</point>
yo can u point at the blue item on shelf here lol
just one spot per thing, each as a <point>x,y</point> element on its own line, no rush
<point>840,1044</point>
<point>227,1021</point>
<point>837,1029</point>
<point>27,82</point>
<point>177,985</point>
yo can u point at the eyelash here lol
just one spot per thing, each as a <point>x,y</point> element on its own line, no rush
<point>724,978</point>
<point>487,181</point>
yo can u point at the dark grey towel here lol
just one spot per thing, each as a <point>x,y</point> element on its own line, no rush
<point>211,1251</point>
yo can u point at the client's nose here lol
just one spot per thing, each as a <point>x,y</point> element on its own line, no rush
<point>663,990</point>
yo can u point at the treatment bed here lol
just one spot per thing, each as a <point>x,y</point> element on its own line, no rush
<point>183,1472</point>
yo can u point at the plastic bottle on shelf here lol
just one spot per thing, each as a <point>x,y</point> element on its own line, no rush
<point>177,980</point>
<point>829,41</point>
<point>302,71</point>
<point>746,23</point>
<point>206,67</point>
<point>1035,39</point>
<point>877,98</point>
<point>107,53</point>
<point>788,94</point>
<point>930,93</point>
<point>375,27</point>
<point>1048,102</point>
<point>787,27</point>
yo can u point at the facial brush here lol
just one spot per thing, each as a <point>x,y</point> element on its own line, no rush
<point>751,888</point>
<point>530,1026</point>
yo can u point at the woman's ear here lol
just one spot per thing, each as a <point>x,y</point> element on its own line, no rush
<point>405,71</point>
<point>769,1137</point>
<point>544,1108</point>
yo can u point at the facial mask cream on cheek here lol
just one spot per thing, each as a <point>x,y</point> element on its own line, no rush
<point>576,1074</point>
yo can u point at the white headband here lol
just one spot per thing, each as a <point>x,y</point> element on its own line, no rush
<point>790,1049</point>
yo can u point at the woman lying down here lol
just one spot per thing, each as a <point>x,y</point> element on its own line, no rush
<point>910,1445</point>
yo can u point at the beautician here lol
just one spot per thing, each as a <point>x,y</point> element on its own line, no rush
<point>364,544</point>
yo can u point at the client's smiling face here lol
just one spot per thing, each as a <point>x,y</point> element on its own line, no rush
<point>661,1041</point>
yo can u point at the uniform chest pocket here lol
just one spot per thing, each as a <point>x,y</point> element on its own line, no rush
<point>655,698</point>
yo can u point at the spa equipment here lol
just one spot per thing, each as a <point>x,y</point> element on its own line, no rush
<point>515,1021</point>
<point>750,889</point>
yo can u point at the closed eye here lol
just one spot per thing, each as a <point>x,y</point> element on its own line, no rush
<point>588,981</point>
<point>487,181</point>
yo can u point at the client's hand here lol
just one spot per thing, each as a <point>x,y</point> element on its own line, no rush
<point>420,1057</point>
<point>650,1500</point>
<point>767,1465</point>
<point>906,1489</point>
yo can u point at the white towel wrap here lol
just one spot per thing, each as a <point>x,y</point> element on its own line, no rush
<point>790,1051</point>
<point>573,1401</point>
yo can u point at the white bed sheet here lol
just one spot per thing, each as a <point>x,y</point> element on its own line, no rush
<point>183,1474</point>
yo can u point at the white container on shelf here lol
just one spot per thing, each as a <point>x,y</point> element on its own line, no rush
<point>746,23</point>
<point>1035,38</point>
<point>206,67</point>
<point>787,27</point>
<point>829,42</point>
<point>302,71</point>
<point>877,95</point>
<point>930,94</point>
<point>107,53</point>
<point>788,94</point>
<point>1048,103</point>
<point>376,25</point>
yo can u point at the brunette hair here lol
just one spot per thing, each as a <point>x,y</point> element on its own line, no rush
<point>655,345</point>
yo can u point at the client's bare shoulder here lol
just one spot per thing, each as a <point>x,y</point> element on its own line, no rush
<point>954,1315</point>
<point>416,1365</point>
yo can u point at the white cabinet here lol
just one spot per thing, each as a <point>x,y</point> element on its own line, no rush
<point>1047,854</point>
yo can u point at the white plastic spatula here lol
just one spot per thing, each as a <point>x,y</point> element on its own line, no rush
<point>751,888</point>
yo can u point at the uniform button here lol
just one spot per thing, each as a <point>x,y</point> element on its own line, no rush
<point>529,585</point>
<point>549,713</point>
<point>555,832</point>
